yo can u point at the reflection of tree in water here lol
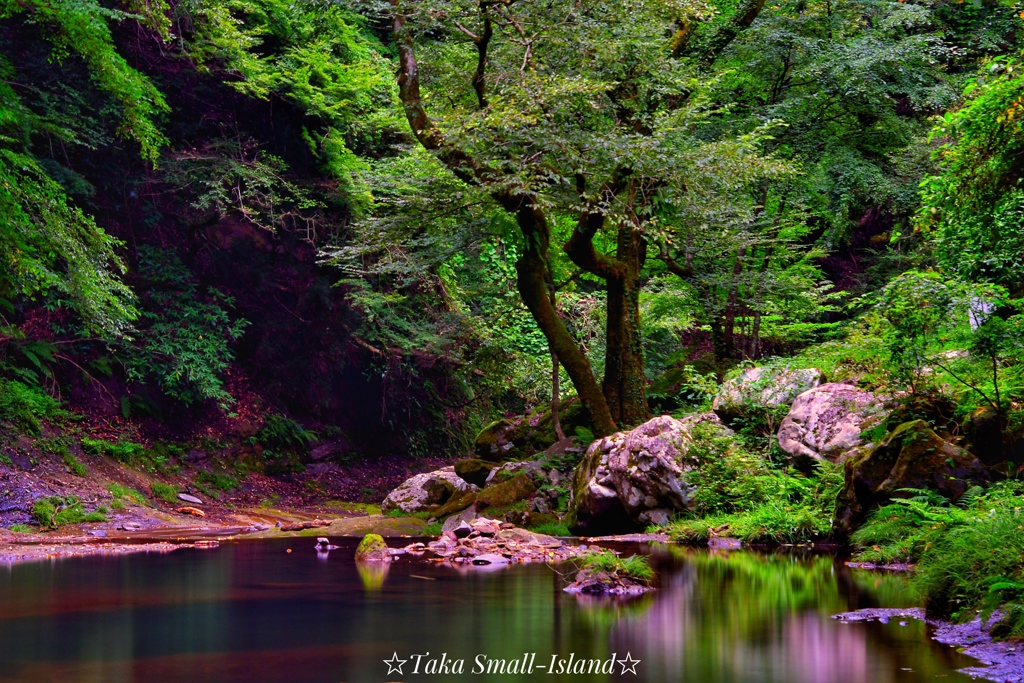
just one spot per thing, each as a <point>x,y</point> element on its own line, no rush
<point>743,616</point>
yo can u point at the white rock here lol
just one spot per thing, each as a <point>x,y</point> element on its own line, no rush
<point>826,422</point>
<point>426,490</point>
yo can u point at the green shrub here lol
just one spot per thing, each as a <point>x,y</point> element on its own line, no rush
<point>21,528</point>
<point>165,492</point>
<point>184,332</point>
<point>432,529</point>
<point>56,511</point>
<point>741,495</point>
<point>635,567</point>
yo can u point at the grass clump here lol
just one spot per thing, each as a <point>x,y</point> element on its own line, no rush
<point>125,452</point>
<point>552,529</point>
<point>214,483</point>
<point>56,511</point>
<point>120,492</point>
<point>165,492</point>
<point>635,567</point>
<point>21,528</point>
<point>432,529</point>
<point>742,495</point>
<point>75,466</point>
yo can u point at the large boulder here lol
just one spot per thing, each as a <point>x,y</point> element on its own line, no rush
<point>826,423</point>
<point>912,456</point>
<point>629,480</point>
<point>764,388</point>
<point>423,492</point>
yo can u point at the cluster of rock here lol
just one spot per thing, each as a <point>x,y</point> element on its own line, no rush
<point>492,542</point>
<point>632,479</point>
<point>595,582</point>
<point>474,487</point>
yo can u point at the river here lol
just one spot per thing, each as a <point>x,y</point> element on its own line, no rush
<point>253,612</point>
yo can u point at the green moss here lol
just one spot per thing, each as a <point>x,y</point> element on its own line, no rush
<point>457,503</point>
<point>506,494</point>
<point>165,492</point>
<point>118,491</point>
<point>347,506</point>
<point>372,547</point>
<point>474,470</point>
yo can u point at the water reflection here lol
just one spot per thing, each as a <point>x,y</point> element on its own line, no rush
<point>251,612</point>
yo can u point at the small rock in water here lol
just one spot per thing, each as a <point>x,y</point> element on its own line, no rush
<point>188,498</point>
<point>462,529</point>
<point>489,558</point>
<point>97,532</point>
<point>324,544</point>
<point>130,526</point>
<point>372,549</point>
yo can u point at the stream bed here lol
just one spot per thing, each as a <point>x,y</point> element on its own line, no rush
<point>253,612</point>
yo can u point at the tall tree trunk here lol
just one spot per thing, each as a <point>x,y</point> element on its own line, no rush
<point>531,279</point>
<point>625,384</point>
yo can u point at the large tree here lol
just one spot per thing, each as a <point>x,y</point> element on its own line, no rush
<point>576,111</point>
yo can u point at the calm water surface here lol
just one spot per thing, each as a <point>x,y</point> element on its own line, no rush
<point>251,612</point>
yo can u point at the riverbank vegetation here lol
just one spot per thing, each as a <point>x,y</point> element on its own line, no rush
<point>242,259</point>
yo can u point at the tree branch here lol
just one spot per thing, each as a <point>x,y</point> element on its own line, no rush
<point>580,247</point>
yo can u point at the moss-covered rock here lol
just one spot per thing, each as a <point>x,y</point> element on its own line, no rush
<point>474,470</point>
<point>372,549</point>
<point>423,492</point>
<point>525,436</point>
<point>912,456</point>
<point>519,487</point>
<point>458,503</point>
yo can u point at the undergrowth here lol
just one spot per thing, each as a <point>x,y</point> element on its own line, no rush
<point>56,511</point>
<point>23,408</point>
<point>741,495</point>
<point>969,556</point>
